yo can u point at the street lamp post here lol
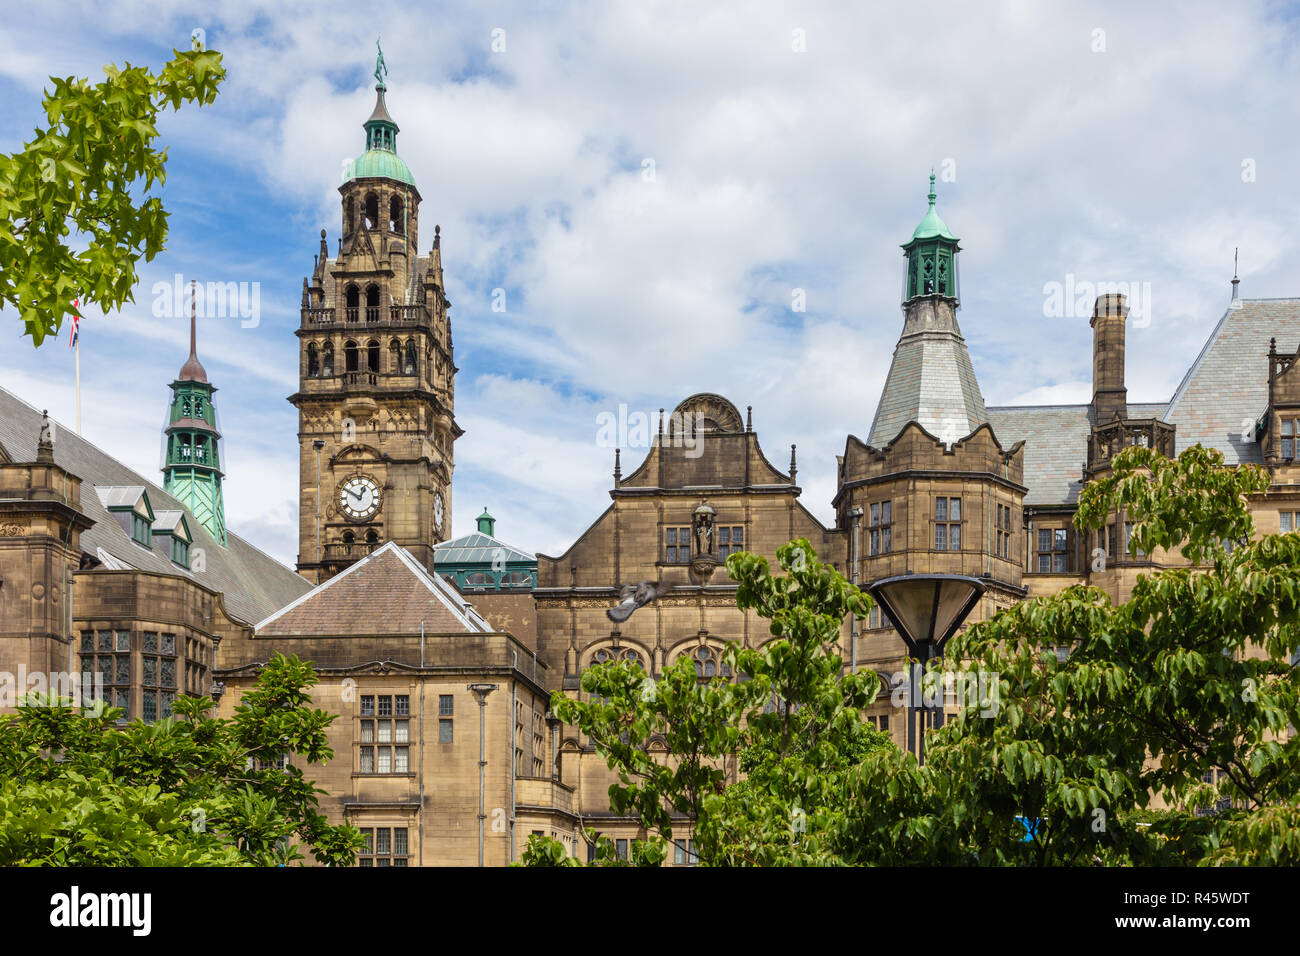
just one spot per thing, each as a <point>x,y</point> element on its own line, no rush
<point>481,691</point>
<point>926,610</point>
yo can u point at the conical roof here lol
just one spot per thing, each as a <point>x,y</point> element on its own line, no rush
<point>932,382</point>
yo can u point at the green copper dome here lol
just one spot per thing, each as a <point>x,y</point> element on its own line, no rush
<point>932,225</point>
<point>379,162</point>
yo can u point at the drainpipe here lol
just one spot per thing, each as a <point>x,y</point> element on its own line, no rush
<point>856,515</point>
<point>514,687</point>
<point>989,539</point>
<point>422,682</point>
<point>1029,540</point>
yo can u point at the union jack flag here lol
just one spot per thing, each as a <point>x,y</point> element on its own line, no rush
<point>75,330</point>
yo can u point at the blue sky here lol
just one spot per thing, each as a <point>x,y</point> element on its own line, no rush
<point>1143,153</point>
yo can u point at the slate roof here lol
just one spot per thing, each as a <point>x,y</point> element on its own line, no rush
<point>386,592</point>
<point>1227,385</point>
<point>477,548</point>
<point>1220,398</point>
<point>931,381</point>
<point>1056,445</point>
<point>254,583</point>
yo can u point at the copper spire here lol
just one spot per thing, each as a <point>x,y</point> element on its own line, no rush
<point>192,370</point>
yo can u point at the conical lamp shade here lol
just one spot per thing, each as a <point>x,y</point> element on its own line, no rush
<point>927,609</point>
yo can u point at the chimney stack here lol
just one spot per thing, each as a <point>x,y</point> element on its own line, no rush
<point>1109,397</point>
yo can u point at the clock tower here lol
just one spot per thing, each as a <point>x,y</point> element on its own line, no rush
<point>376,424</point>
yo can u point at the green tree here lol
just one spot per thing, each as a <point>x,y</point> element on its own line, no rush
<point>77,789</point>
<point>1088,710</point>
<point>1185,691</point>
<point>75,214</point>
<point>793,723</point>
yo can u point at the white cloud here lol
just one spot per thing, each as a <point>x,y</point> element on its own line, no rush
<point>774,170</point>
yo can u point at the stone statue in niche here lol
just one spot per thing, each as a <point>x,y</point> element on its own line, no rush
<point>704,529</point>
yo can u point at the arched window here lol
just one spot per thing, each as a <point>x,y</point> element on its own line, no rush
<point>372,303</point>
<point>480,579</point>
<point>410,358</point>
<point>349,217</point>
<point>349,537</point>
<point>313,361</point>
<point>395,356</point>
<point>706,664</point>
<point>516,579</point>
<point>185,407</point>
<point>351,357</point>
<point>372,356</point>
<point>186,451</point>
<point>607,654</point>
<point>395,217</point>
<point>371,211</point>
<point>327,360</point>
<point>372,537</point>
<point>198,406</point>
<point>201,450</point>
<point>353,300</point>
<point>709,663</point>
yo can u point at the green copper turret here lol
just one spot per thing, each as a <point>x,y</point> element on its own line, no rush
<point>931,257</point>
<point>191,452</point>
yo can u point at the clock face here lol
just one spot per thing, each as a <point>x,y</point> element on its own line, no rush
<point>437,511</point>
<point>359,497</point>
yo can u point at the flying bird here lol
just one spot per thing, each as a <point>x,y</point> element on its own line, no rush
<point>633,596</point>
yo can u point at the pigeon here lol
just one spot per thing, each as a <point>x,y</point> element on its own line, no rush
<point>633,596</point>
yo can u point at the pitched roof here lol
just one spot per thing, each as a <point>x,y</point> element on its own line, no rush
<point>167,522</point>
<point>1226,389</point>
<point>118,496</point>
<point>931,381</point>
<point>477,548</point>
<point>254,584</point>
<point>1056,445</point>
<point>387,589</point>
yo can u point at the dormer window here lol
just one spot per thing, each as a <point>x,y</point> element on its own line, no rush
<point>180,551</point>
<point>129,506</point>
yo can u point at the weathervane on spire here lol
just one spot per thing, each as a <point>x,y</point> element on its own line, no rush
<point>381,68</point>
<point>1236,302</point>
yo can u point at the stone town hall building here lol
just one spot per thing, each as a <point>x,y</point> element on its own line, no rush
<point>421,639</point>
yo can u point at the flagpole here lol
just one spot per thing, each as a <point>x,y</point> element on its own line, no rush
<point>78,351</point>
